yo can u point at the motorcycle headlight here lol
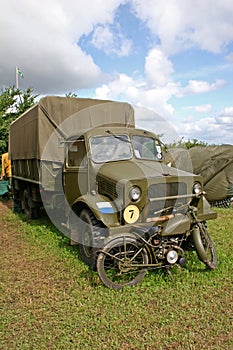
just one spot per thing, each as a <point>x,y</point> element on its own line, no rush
<point>197,188</point>
<point>135,194</point>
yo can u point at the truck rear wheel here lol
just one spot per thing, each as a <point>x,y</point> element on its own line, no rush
<point>29,210</point>
<point>87,230</point>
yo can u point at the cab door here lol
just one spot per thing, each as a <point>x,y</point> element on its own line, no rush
<point>75,175</point>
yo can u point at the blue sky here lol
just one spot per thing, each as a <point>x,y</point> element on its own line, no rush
<point>174,58</point>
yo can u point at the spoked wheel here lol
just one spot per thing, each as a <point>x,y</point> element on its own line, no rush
<point>121,263</point>
<point>204,246</point>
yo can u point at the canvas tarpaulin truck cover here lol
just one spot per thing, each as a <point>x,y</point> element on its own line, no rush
<point>213,163</point>
<point>59,117</point>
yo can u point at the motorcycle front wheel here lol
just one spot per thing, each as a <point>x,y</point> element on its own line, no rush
<point>120,263</point>
<point>204,246</point>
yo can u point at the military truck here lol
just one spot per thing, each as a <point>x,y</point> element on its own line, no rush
<point>86,159</point>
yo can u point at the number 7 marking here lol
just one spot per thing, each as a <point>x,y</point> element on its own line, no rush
<point>132,213</point>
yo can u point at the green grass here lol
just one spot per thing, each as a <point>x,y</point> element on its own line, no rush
<point>51,300</point>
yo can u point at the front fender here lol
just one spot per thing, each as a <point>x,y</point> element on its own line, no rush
<point>119,235</point>
<point>197,240</point>
<point>103,209</point>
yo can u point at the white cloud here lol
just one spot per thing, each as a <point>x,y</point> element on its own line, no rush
<point>214,130</point>
<point>152,90</point>
<point>199,87</point>
<point>148,119</point>
<point>42,41</point>
<point>102,38</point>
<point>153,114</point>
<point>229,57</point>
<point>225,120</point>
<point>198,127</point>
<point>227,111</point>
<point>156,87</point>
<point>158,68</point>
<point>207,108</point>
<point>111,42</point>
<point>183,24</point>
<point>138,93</point>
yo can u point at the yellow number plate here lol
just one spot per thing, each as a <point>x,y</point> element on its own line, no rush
<point>131,214</point>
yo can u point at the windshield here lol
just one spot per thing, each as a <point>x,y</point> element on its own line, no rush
<point>146,147</point>
<point>110,148</point>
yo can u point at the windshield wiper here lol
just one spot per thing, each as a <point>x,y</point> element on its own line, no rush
<point>122,138</point>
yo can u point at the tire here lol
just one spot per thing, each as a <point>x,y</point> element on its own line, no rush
<point>204,246</point>
<point>116,270</point>
<point>31,213</point>
<point>87,228</point>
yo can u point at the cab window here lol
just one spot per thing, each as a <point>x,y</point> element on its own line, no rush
<point>77,153</point>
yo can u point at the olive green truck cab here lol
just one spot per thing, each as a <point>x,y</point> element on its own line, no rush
<point>84,158</point>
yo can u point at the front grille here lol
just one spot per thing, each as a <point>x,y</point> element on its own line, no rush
<point>167,189</point>
<point>164,190</point>
<point>107,188</point>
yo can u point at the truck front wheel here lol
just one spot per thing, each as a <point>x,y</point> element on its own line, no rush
<point>87,228</point>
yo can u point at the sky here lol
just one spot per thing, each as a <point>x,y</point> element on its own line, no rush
<point>172,60</point>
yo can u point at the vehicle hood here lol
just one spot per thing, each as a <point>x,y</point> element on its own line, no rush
<point>138,170</point>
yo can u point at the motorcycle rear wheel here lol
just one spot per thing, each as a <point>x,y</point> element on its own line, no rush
<point>116,264</point>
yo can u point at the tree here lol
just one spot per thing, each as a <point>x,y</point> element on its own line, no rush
<point>13,102</point>
<point>187,144</point>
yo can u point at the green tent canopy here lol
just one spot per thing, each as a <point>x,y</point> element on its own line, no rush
<point>213,163</point>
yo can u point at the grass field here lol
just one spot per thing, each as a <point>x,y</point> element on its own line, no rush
<point>51,300</point>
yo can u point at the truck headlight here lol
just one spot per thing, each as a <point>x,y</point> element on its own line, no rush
<point>135,194</point>
<point>197,188</point>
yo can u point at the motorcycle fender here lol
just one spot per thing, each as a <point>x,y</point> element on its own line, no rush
<point>120,235</point>
<point>201,253</point>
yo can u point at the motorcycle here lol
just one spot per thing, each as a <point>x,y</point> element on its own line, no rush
<point>125,259</point>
